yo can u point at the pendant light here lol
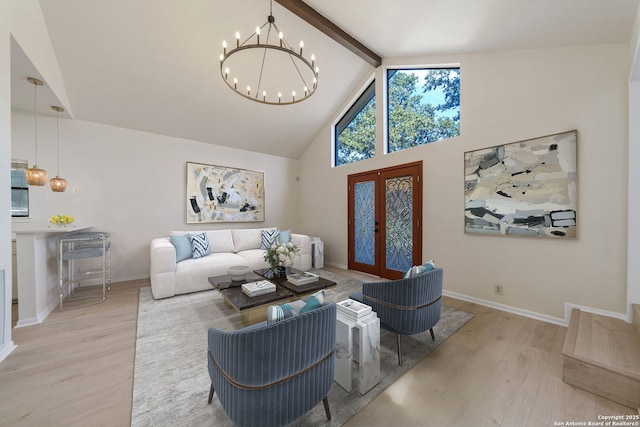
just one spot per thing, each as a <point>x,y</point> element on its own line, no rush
<point>35,176</point>
<point>58,184</point>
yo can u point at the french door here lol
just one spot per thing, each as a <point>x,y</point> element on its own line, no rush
<point>385,220</point>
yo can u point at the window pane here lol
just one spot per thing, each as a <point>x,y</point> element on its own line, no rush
<point>18,179</point>
<point>355,133</point>
<point>19,189</point>
<point>19,202</point>
<point>423,105</point>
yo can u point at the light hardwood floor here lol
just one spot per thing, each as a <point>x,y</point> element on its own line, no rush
<point>76,369</point>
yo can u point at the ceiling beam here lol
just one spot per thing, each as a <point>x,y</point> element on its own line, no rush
<point>313,17</point>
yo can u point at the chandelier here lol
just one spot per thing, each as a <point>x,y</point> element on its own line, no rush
<point>260,67</point>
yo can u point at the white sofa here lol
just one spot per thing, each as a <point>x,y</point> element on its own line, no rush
<point>228,248</point>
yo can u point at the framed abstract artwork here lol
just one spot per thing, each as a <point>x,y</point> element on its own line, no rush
<point>525,188</point>
<point>224,194</point>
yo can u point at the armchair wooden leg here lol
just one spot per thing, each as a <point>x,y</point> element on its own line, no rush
<point>326,407</point>
<point>399,349</point>
<point>433,337</point>
<point>211,393</point>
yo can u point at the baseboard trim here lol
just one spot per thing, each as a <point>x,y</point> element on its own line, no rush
<point>534,314</point>
<point>508,308</point>
<point>335,264</point>
<point>6,349</point>
<point>129,278</point>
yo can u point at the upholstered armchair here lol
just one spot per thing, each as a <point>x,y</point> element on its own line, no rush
<point>270,375</point>
<point>405,306</point>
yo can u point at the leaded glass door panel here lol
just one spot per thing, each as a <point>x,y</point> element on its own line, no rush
<point>385,211</point>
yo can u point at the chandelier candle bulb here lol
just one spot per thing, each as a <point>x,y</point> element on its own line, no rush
<point>258,34</point>
<point>313,61</point>
<point>293,94</point>
<point>279,96</point>
<point>301,46</point>
<point>221,58</point>
<point>237,39</point>
<point>235,83</point>
<point>224,47</point>
<point>226,73</point>
<point>264,95</point>
<point>281,36</point>
<point>248,90</point>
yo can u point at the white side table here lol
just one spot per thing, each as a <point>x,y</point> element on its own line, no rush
<point>317,253</point>
<point>367,351</point>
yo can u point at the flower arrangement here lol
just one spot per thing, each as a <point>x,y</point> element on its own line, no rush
<point>281,255</point>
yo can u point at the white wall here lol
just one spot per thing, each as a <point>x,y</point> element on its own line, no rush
<point>6,344</point>
<point>633,251</point>
<point>132,183</point>
<point>507,97</point>
<point>30,31</point>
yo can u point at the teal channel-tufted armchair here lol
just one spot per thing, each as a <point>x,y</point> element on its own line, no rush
<point>405,306</point>
<point>270,375</point>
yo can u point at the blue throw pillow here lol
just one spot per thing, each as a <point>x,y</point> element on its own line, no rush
<point>200,245</point>
<point>419,269</point>
<point>284,236</point>
<point>429,265</point>
<point>269,237</point>
<point>183,247</point>
<point>276,313</point>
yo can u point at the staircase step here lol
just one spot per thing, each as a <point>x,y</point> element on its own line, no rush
<point>602,356</point>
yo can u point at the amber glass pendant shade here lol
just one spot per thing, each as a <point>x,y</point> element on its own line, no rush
<point>58,184</point>
<point>36,176</point>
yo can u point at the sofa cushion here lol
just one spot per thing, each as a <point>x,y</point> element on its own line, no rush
<point>182,244</point>
<point>192,274</point>
<point>276,313</point>
<point>221,241</point>
<point>200,245</point>
<point>255,258</point>
<point>244,239</point>
<point>269,237</point>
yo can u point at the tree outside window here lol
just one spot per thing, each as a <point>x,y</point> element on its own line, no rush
<point>355,132</point>
<point>423,106</point>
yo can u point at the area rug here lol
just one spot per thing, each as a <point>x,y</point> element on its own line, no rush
<point>171,381</point>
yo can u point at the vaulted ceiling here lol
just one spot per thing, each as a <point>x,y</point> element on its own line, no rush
<point>152,65</point>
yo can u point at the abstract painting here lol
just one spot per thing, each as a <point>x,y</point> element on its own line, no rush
<point>224,194</point>
<point>525,188</point>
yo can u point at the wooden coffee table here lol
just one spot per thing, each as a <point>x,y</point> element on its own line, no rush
<point>254,309</point>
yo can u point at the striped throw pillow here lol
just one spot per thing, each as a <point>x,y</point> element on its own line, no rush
<point>269,236</point>
<point>200,245</point>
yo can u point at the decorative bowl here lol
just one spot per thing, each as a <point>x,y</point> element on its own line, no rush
<point>238,272</point>
<point>61,219</point>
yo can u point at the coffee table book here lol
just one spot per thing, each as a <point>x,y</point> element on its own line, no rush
<point>262,287</point>
<point>353,308</point>
<point>302,278</point>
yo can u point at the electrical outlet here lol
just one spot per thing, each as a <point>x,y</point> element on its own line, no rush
<point>497,289</point>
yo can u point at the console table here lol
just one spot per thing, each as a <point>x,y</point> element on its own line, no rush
<point>365,352</point>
